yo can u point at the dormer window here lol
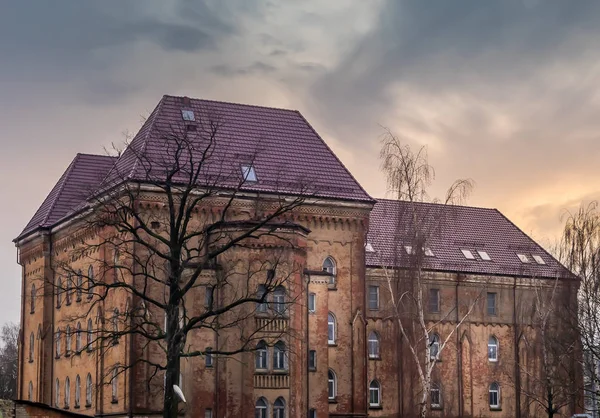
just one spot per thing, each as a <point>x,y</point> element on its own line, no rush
<point>408,249</point>
<point>523,258</point>
<point>188,115</point>
<point>248,173</point>
<point>468,254</point>
<point>538,259</point>
<point>428,252</point>
<point>369,248</point>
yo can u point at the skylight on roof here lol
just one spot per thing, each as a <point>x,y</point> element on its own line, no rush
<point>248,173</point>
<point>188,115</point>
<point>428,252</point>
<point>408,249</point>
<point>523,258</point>
<point>369,248</point>
<point>538,259</point>
<point>468,254</point>
<point>484,255</point>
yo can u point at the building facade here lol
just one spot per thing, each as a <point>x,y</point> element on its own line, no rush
<point>335,349</point>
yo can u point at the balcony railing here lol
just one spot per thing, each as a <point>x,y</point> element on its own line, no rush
<point>272,324</point>
<point>271,381</point>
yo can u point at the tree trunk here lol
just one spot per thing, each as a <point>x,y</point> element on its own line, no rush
<point>172,372</point>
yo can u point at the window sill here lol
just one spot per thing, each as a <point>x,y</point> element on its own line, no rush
<point>31,312</point>
<point>30,360</point>
<point>331,287</point>
<point>261,371</point>
<point>331,344</point>
<point>312,369</point>
<point>280,371</point>
<point>437,408</point>
<point>66,407</point>
<point>114,401</point>
<point>374,309</point>
<point>376,358</point>
<point>67,354</point>
<point>56,357</point>
<point>76,407</point>
<point>332,400</point>
<point>375,407</point>
<point>88,405</point>
<point>495,408</point>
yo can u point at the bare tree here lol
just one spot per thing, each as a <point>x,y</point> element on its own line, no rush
<point>409,175</point>
<point>9,336</point>
<point>181,247</point>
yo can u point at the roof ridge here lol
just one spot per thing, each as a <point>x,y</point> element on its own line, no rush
<point>434,204</point>
<point>335,155</point>
<point>152,116</point>
<point>232,103</point>
<point>89,154</point>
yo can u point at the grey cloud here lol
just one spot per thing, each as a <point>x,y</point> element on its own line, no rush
<point>257,67</point>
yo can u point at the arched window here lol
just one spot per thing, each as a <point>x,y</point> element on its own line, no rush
<point>279,299</point>
<point>373,345</point>
<point>68,340</point>
<point>77,391</point>
<point>59,291</point>
<point>31,346</point>
<point>331,328</point>
<point>30,391</point>
<point>32,298</point>
<point>68,289</point>
<point>115,386</point>
<point>260,293</point>
<point>88,390</point>
<point>493,348</point>
<point>435,396</point>
<point>434,347</point>
<point>57,393</point>
<point>331,384</point>
<point>90,287</point>
<point>79,289</point>
<point>115,326</point>
<point>90,333</point>
<point>279,356</point>
<point>261,356</point>
<point>329,267</point>
<point>494,395</point>
<point>67,392</point>
<point>262,408</point>
<point>279,408</point>
<point>78,338</point>
<point>116,265</point>
<point>374,393</point>
<point>57,343</point>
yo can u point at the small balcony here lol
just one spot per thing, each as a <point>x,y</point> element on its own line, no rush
<point>271,324</point>
<point>271,381</point>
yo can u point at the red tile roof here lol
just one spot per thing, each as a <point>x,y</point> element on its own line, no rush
<point>84,174</point>
<point>287,154</point>
<point>451,229</point>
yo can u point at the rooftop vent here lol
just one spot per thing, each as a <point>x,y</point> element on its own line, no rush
<point>408,249</point>
<point>538,259</point>
<point>468,254</point>
<point>188,115</point>
<point>248,173</point>
<point>523,258</point>
<point>484,255</point>
<point>428,252</point>
<point>369,248</point>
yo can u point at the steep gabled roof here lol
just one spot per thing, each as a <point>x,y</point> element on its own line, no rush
<point>449,230</point>
<point>287,154</point>
<point>84,174</point>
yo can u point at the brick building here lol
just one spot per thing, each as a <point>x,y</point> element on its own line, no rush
<point>337,350</point>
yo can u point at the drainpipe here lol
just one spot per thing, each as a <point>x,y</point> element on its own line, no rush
<point>516,354</point>
<point>307,346</point>
<point>458,352</point>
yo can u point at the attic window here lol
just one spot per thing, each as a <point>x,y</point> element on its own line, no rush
<point>188,115</point>
<point>538,259</point>
<point>484,255</point>
<point>248,173</point>
<point>468,254</point>
<point>428,252</point>
<point>369,248</point>
<point>523,258</point>
<point>408,249</point>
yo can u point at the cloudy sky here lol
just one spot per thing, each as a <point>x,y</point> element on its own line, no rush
<point>504,92</point>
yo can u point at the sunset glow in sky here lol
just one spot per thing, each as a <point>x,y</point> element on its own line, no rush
<point>506,93</point>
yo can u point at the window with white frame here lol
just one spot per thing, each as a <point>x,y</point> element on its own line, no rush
<point>115,386</point>
<point>78,338</point>
<point>373,344</point>
<point>261,409</point>
<point>208,357</point>
<point>331,384</point>
<point>208,413</point>
<point>312,360</point>
<point>88,390</point>
<point>67,392</point>
<point>90,334</point>
<point>492,348</point>
<point>374,394</point>
<point>57,393</point>
<point>434,300</point>
<point>68,340</point>
<point>329,267</point>
<point>68,289</point>
<point>57,342</point>
<point>249,173</point>
<point>491,303</point>
<point>312,413</point>
<point>279,300</point>
<point>209,292</point>
<point>90,281</point>
<point>331,325</point>
<point>435,396</point>
<point>434,347</point>
<point>495,395</point>
<point>312,302</point>
<point>77,391</point>
<point>261,294</point>
<point>279,408</point>
<point>373,297</point>
<point>33,295</point>
<point>279,356</point>
<point>261,356</point>
<point>30,391</point>
<point>31,346</point>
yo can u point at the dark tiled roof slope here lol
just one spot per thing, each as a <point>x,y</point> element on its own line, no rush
<point>453,228</point>
<point>84,174</point>
<point>287,154</point>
